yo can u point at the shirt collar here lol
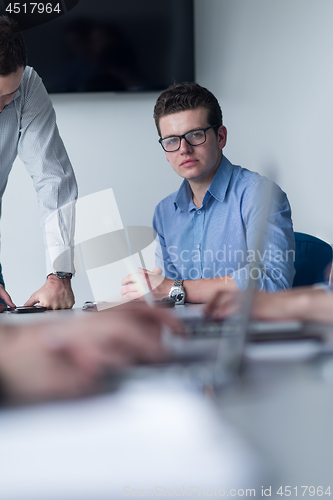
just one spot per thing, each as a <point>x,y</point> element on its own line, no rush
<point>220,182</point>
<point>217,188</point>
<point>183,198</point>
<point>18,93</point>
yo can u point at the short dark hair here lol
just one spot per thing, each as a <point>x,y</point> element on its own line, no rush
<point>184,96</point>
<point>13,52</point>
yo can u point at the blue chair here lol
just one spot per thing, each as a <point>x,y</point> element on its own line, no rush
<point>312,257</point>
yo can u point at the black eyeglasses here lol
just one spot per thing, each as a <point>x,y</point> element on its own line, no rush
<point>193,138</point>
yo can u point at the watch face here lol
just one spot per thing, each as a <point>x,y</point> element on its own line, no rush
<point>178,295</point>
<point>63,275</point>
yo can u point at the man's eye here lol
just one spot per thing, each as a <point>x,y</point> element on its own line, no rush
<point>196,135</point>
<point>171,141</point>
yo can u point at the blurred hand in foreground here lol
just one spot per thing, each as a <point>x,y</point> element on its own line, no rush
<point>65,359</point>
<point>303,303</point>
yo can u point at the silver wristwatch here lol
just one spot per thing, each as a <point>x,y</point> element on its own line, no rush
<point>177,292</point>
<point>62,275</point>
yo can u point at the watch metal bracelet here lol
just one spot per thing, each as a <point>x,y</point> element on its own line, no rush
<point>178,283</point>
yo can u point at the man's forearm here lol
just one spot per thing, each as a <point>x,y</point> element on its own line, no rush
<point>311,305</point>
<point>303,304</point>
<point>201,291</point>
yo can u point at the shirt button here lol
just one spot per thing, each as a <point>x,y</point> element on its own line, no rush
<point>198,246</point>
<point>199,212</point>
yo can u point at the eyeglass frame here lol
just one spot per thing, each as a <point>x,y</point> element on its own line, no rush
<point>180,137</point>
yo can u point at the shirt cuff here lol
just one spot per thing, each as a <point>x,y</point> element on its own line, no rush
<point>60,258</point>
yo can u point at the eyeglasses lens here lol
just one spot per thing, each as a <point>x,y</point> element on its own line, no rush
<point>194,138</point>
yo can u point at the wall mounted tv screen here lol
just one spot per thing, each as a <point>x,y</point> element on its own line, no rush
<point>107,45</point>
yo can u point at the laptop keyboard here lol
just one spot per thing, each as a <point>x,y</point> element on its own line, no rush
<point>208,328</point>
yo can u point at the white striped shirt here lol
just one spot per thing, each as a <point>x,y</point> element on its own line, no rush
<point>28,128</point>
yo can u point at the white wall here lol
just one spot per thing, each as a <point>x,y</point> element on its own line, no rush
<point>270,65</point>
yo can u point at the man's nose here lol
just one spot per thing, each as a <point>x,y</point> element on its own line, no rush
<point>184,146</point>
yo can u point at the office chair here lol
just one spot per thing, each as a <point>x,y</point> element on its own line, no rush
<point>312,257</point>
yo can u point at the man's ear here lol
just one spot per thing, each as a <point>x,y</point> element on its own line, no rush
<point>222,136</point>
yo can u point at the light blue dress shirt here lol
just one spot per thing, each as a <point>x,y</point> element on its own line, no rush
<point>220,237</point>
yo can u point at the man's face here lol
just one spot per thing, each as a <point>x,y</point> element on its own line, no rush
<point>194,163</point>
<point>8,87</point>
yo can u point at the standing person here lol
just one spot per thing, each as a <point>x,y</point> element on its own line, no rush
<point>28,128</point>
<point>208,228</point>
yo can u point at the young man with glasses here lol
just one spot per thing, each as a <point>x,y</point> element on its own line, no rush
<point>28,128</point>
<point>208,229</point>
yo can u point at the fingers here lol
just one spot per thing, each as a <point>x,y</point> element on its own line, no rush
<point>146,314</point>
<point>57,303</point>
<point>165,318</point>
<point>130,278</point>
<point>142,348</point>
<point>112,340</point>
<point>54,294</point>
<point>6,297</point>
<point>131,291</point>
<point>135,277</point>
<point>133,287</point>
<point>32,300</point>
<point>134,346</point>
<point>229,307</point>
<point>144,281</point>
<point>223,304</point>
<point>151,278</point>
<point>212,304</point>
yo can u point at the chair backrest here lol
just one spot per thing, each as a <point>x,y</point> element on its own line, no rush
<point>312,257</point>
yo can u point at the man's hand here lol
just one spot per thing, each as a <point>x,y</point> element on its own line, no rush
<point>55,294</point>
<point>68,358</point>
<point>136,285</point>
<point>127,334</point>
<point>224,304</point>
<point>301,303</point>
<point>7,298</point>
